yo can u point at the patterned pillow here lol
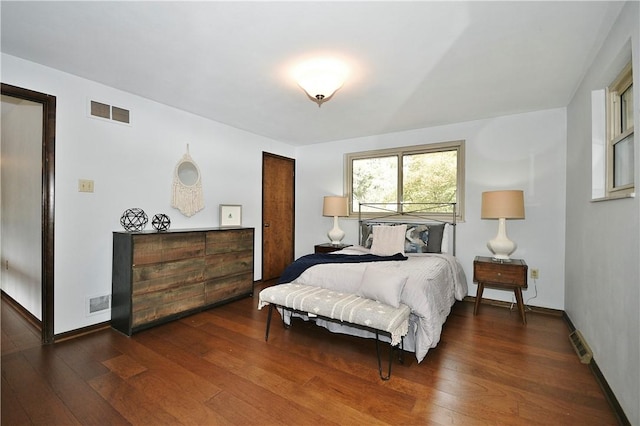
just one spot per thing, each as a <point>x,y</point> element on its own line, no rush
<point>424,238</point>
<point>420,238</point>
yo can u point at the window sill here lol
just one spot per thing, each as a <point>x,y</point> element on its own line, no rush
<point>614,197</point>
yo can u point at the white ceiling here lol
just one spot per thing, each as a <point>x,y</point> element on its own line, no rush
<point>414,64</point>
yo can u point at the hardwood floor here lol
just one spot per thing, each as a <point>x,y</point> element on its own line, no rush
<point>216,368</point>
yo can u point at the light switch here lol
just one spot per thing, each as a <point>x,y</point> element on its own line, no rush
<point>85,185</point>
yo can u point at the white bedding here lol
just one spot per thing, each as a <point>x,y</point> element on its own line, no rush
<point>434,282</point>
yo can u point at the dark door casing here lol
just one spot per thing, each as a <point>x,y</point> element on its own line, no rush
<point>48,197</point>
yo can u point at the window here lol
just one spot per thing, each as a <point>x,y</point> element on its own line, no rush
<point>415,174</point>
<point>620,143</point>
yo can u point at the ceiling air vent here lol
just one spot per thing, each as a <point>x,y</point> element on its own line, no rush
<point>108,112</point>
<point>580,346</point>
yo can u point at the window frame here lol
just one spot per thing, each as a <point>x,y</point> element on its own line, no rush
<point>458,146</point>
<point>615,133</point>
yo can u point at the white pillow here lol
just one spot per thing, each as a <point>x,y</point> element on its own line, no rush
<point>444,248</point>
<point>382,285</point>
<point>388,240</point>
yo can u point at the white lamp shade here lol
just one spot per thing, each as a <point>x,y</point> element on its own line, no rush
<point>502,205</point>
<point>507,204</point>
<point>335,206</point>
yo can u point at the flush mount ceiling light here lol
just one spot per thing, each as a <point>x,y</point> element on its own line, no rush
<point>320,78</point>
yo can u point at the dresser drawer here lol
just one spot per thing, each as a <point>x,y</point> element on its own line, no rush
<point>500,273</point>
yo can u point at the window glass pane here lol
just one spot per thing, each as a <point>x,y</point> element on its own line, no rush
<point>626,112</point>
<point>375,180</point>
<point>623,162</point>
<point>430,178</point>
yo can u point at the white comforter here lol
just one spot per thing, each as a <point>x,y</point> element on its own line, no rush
<point>434,282</point>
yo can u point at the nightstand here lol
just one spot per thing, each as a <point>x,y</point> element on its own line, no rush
<point>510,275</point>
<point>328,247</point>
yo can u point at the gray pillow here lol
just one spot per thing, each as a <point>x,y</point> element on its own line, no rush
<point>382,285</point>
<point>434,244</point>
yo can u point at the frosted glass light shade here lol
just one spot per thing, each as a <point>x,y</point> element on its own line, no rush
<point>321,77</point>
<point>502,205</point>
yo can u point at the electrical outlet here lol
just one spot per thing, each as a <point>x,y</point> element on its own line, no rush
<point>85,185</point>
<point>535,273</point>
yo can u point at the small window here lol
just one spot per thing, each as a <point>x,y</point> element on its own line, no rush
<point>620,135</point>
<point>415,174</point>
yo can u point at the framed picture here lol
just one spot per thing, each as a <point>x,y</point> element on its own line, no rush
<point>230,215</point>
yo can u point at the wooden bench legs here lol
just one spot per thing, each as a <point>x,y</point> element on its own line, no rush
<point>392,349</point>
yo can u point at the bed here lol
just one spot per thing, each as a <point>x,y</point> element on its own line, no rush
<point>427,277</point>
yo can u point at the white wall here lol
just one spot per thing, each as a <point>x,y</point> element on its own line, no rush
<point>21,238</point>
<point>524,151</point>
<point>603,238</point>
<point>132,166</point>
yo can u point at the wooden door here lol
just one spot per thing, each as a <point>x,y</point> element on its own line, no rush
<point>278,214</point>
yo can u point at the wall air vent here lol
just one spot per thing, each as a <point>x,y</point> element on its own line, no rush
<point>580,346</point>
<point>120,114</point>
<point>100,110</point>
<point>98,304</point>
<point>108,112</point>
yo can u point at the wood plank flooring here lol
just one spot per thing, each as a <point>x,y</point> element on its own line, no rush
<point>215,368</point>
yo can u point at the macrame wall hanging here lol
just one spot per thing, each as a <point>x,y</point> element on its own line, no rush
<point>187,187</point>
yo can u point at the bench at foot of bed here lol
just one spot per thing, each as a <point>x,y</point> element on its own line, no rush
<point>341,307</point>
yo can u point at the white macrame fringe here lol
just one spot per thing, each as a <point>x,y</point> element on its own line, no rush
<point>188,199</point>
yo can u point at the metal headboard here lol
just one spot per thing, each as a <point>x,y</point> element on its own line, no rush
<point>407,213</point>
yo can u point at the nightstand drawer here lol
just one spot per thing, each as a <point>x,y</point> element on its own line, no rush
<point>500,273</point>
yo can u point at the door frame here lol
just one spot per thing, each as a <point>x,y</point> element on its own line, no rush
<point>48,103</point>
<point>293,212</point>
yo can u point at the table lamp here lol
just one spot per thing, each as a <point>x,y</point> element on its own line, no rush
<point>502,205</point>
<point>335,206</point>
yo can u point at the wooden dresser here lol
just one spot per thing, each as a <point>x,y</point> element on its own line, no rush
<point>160,276</point>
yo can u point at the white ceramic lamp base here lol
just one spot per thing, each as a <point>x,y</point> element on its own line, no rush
<point>501,246</point>
<point>336,234</point>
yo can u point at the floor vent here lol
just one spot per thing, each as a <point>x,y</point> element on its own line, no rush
<point>98,304</point>
<point>108,112</point>
<point>580,346</point>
